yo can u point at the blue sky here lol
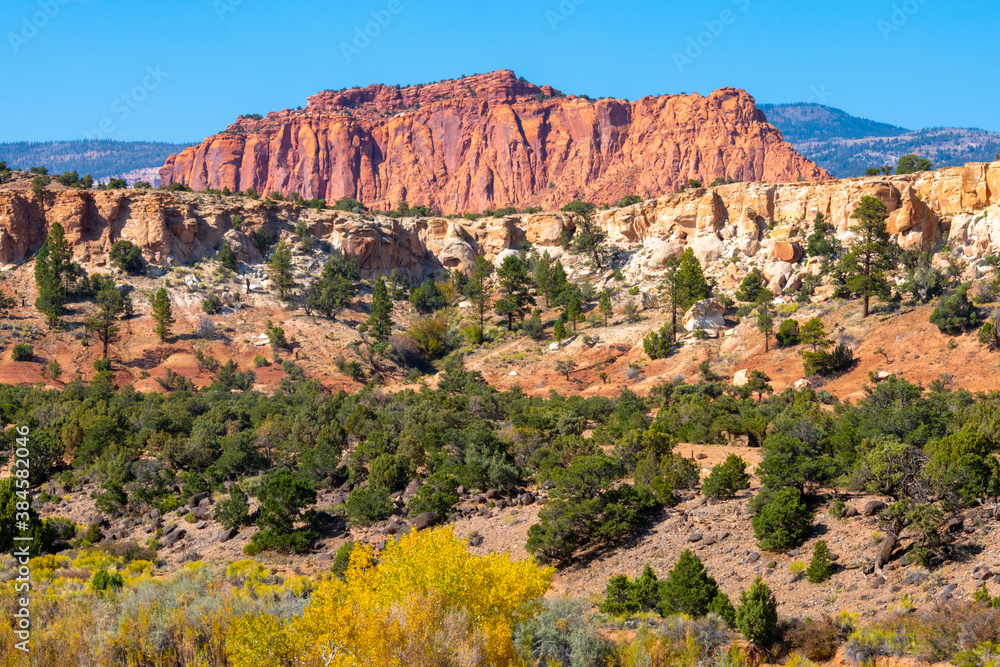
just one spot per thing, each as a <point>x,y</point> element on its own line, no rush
<point>184,69</point>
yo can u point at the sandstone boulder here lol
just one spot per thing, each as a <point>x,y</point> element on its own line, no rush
<point>707,314</point>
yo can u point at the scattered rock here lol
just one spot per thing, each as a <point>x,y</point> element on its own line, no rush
<point>694,537</point>
<point>425,520</point>
<point>873,507</point>
<point>228,534</point>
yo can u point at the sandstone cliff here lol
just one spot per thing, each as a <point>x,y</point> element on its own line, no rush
<point>491,141</point>
<point>746,222</point>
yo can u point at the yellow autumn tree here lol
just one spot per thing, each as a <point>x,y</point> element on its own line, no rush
<point>426,602</point>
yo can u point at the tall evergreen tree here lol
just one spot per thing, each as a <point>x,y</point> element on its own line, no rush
<point>605,304</point>
<point>765,323</point>
<point>51,291</point>
<point>543,277</point>
<point>574,311</point>
<point>590,239</point>
<point>162,313</point>
<point>690,281</point>
<point>102,323</point>
<point>871,254</point>
<point>683,284</point>
<point>280,271</point>
<point>478,288</point>
<point>380,320</point>
<point>515,290</point>
<point>559,292</point>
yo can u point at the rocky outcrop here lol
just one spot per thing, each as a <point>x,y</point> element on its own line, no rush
<point>728,227</point>
<point>491,141</point>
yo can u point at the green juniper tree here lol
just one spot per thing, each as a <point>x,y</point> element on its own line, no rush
<point>514,285</point>
<point>162,313</point>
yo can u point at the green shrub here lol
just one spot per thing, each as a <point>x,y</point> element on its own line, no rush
<point>260,361</point>
<point>389,472</point>
<point>727,478</point>
<point>820,567</point>
<point>22,352</point>
<point>126,256</point>
<point>234,511</point>
<point>342,559</point>
<point>788,333</point>
<point>688,589</point>
<point>956,313</point>
<point>439,493</point>
<point>781,519</point>
<point>722,607</point>
<point>103,582</point>
<point>366,506</point>
<point>757,615</point>
<point>211,304</point>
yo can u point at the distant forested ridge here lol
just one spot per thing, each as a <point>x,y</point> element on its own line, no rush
<point>847,145</point>
<point>100,158</point>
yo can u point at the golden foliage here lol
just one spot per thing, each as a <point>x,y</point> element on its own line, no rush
<point>427,602</point>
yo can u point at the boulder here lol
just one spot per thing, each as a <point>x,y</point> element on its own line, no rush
<point>228,534</point>
<point>707,314</point>
<point>873,507</point>
<point>741,378</point>
<point>708,248</point>
<point>411,488</point>
<point>786,251</point>
<point>195,499</point>
<point>426,520</point>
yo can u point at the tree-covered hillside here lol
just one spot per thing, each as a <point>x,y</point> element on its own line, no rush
<point>847,145</point>
<point>98,158</point>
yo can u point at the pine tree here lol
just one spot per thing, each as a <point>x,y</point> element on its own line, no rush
<point>559,291</point>
<point>514,286</point>
<point>478,288</point>
<point>573,310</point>
<point>51,290</point>
<point>871,254</point>
<point>765,323</point>
<point>688,589</point>
<point>757,615</point>
<point>60,254</point>
<point>690,281</point>
<point>162,313</point>
<point>813,334</point>
<point>280,271</point>
<point>820,567</point>
<point>380,320</point>
<point>605,304</point>
<point>558,331</point>
<point>543,276</point>
<point>102,323</point>
<point>684,284</point>
<point>589,239</point>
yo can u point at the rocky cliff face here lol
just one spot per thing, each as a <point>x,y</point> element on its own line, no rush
<point>491,141</point>
<point>747,222</point>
